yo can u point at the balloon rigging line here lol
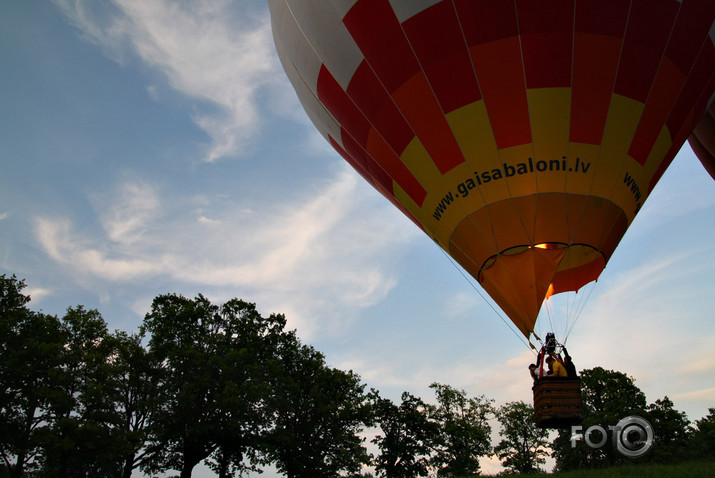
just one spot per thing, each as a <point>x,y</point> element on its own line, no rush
<point>574,310</point>
<point>582,306</point>
<point>461,272</point>
<point>549,310</point>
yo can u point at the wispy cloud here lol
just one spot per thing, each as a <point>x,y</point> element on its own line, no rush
<point>66,245</point>
<point>706,395</point>
<point>308,258</point>
<point>37,293</point>
<point>460,304</point>
<point>206,49</point>
<point>703,366</point>
<point>130,211</point>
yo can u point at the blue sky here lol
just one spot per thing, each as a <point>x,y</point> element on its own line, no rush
<point>157,147</point>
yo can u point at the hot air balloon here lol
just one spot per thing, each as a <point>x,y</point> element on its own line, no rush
<point>522,136</point>
<point>702,140</point>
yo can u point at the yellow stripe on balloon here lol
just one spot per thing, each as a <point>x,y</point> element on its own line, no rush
<point>621,124</point>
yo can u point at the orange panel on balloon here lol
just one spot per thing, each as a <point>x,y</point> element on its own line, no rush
<point>519,283</point>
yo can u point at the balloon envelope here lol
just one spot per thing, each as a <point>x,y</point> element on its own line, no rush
<point>702,140</point>
<point>522,136</point>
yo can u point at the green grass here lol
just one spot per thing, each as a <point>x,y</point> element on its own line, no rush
<point>681,470</point>
<point>685,470</point>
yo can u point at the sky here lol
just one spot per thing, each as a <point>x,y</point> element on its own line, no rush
<point>157,147</point>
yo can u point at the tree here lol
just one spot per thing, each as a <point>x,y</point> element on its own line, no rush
<point>58,418</point>
<point>608,396</point>
<point>214,361</point>
<point>12,300</point>
<point>407,436</point>
<point>183,431</point>
<point>704,436</point>
<point>464,430</point>
<point>31,346</point>
<point>136,398</point>
<point>523,445</point>
<point>80,439</point>
<point>246,346</point>
<point>319,412</point>
<point>671,429</point>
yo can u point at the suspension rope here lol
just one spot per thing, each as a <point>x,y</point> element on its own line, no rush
<point>582,306</point>
<point>549,313</point>
<point>466,278</point>
<point>574,307</point>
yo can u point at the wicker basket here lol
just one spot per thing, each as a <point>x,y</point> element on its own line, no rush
<point>557,402</point>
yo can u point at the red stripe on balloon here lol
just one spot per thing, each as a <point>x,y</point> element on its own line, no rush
<point>692,25</point>
<point>597,47</point>
<point>360,143</point>
<point>500,75</point>
<point>491,31</point>
<point>377,32</point>
<point>485,21</point>
<point>402,76</point>
<point>371,98</point>
<point>648,29</point>
<point>436,38</point>
<point>546,29</point>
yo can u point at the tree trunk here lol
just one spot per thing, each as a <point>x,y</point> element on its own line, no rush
<point>188,466</point>
<point>17,470</point>
<point>186,471</point>
<point>128,466</point>
<point>223,466</point>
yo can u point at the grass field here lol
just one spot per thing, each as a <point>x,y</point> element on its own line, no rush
<point>695,469</point>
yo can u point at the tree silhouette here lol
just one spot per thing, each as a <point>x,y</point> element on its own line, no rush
<point>319,412</point>
<point>31,345</point>
<point>608,396</point>
<point>213,377</point>
<point>407,437</point>
<point>464,431</point>
<point>523,446</point>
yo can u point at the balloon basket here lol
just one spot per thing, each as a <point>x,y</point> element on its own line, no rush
<point>557,402</point>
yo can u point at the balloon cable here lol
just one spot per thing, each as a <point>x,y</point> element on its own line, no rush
<point>546,305</point>
<point>580,307</point>
<point>461,271</point>
<point>574,310</point>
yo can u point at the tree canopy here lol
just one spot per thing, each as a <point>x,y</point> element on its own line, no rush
<point>407,436</point>
<point>523,446</point>
<point>224,385</point>
<point>464,433</point>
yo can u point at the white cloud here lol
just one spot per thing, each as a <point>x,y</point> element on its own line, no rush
<point>310,259</point>
<point>37,293</point>
<point>208,221</point>
<point>706,395</point>
<point>4,215</point>
<point>67,246</point>
<point>314,256</point>
<point>703,366</point>
<point>132,209</point>
<point>459,304</point>
<point>207,50</point>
